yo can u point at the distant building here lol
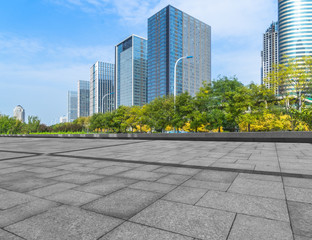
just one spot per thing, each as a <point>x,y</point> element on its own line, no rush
<point>102,96</point>
<point>131,72</point>
<point>72,105</point>
<point>63,119</point>
<point>83,98</point>
<point>173,34</point>
<point>19,113</point>
<point>270,53</point>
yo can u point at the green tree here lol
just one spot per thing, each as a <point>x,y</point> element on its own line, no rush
<point>33,124</point>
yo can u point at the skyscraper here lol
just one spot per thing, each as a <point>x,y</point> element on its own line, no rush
<point>102,87</point>
<point>131,71</point>
<point>295,24</point>
<point>270,53</point>
<point>72,105</point>
<point>19,113</point>
<point>83,98</point>
<point>171,35</point>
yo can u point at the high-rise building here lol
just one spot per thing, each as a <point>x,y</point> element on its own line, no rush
<point>19,113</point>
<point>173,34</point>
<point>270,53</point>
<point>295,24</point>
<point>102,88</point>
<point>131,71</point>
<point>83,98</point>
<point>72,105</point>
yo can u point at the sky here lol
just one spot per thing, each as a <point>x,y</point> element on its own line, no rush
<point>46,46</point>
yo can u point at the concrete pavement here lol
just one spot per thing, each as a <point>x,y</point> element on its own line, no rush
<point>143,189</point>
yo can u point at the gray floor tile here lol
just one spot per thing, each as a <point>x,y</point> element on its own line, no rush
<point>258,188</point>
<point>10,199</point>
<point>124,203</point>
<point>251,205</point>
<point>301,238</point>
<point>111,170</point>
<point>45,191</point>
<point>132,231</point>
<point>23,211</point>
<point>299,194</point>
<point>78,178</point>
<point>8,236</point>
<point>188,220</point>
<point>301,218</point>
<point>72,197</point>
<point>174,179</point>
<point>298,182</point>
<point>26,184</point>
<point>247,228</point>
<point>260,177</point>
<point>177,170</point>
<point>65,223</point>
<point>215,176</point>
<point>219,186</point>
<point>106,185</point>
<point>53,174</point>
<point>141,175</point>
<point>185,195</point>
<point>153,186</point>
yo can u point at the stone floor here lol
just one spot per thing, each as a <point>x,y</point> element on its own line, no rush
<point>153,190</point>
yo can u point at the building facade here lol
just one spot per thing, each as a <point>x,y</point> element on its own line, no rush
<point>131,71</point>
<point>295,29</point>
<point>102,88</point>
<point>171,35</point>
<point>270,53</point>
<point>19,113</point>
<point>63,119</point>
<point>83,98</point>
<point>72,105</point>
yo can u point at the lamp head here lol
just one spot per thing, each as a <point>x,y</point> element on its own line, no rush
<point>189,57</point>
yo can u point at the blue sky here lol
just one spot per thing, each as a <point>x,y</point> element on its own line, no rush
<point>46,46</point>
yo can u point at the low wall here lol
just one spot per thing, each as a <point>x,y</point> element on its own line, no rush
<point>292,137</point>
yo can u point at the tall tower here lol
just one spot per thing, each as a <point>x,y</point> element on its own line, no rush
<point>131,71</point>
<point>19,113</point>
<point>173,34</point>
<point>102,87</point>
<point>83,98</point>
<point>270,53</point>
<point>295,24</point>
<point>72,105</point>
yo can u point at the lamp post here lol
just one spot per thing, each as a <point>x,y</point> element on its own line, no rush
<point>103,100</point>
<point>175,75</point>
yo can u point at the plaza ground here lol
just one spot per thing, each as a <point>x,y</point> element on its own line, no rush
<point>153,190</point>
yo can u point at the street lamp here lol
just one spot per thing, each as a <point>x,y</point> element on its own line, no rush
<point>103,100</point>
<point>175,75</point>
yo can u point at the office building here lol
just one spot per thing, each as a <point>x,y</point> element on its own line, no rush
<point>19,113</point>
<point>131,71</point>
<point>63,119</point>
<point>295,24</point>
<point>173,34</point>
<point>270,53</point>
<point>102,97</point>
<point>83,98</point>
<point>72,105</point>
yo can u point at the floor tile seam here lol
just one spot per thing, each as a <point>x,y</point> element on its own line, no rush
<point>30,190</point>
<point>232,225</point>
<point>202,197</point>
<point>118,225</point>
<point>161,229</point>
<point>35,215</point>
<point>288,210</point>
<point>288,186</point>
<point>85,149</point>
<point>20,152</point>
<point>13,158</point>
<point>223,210</point>
<point>232,182</point>
<point>13,233</point>
<point>44,197</point>
<point>269,173</point>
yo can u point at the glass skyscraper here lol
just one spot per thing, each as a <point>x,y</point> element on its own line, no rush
<point>171,35</point>
<point>102,87</point>
<point>72,105</point>
<point>270,53</point>
<point>19,113</point>
<point>295,29</point>
<point>131,71</point>
<point>83,98</point>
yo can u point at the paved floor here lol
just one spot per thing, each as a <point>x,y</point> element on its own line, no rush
<point>147,190</point>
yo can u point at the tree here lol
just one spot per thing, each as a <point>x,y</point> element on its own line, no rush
<point>33,124</point>
<point>182,109</point>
